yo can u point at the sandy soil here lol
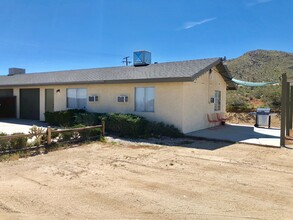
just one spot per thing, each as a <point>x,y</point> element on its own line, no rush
<point>128,180</point>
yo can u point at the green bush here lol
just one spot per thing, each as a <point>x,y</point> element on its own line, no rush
<point>126,125</point>
<point>89,118</point>
<point>156,129</point>
<point>62,118</point>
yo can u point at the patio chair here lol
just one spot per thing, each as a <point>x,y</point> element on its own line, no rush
<point>221,117</point>
<point>212,119</point>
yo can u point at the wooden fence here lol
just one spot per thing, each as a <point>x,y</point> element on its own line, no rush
<point>48,135</point>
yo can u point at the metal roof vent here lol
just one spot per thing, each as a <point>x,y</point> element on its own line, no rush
<point>141,58</point>
<point>15,71</point>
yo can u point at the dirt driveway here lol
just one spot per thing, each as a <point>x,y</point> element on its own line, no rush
<point>124,180</point>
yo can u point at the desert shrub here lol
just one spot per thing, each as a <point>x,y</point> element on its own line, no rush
<point>67,136</point>
<point>88,133</point>
<point>54,135</point>
<point>242,99</point>
<point>4,145</point>
<point>236,103</point>
<point>18,143</point>
<point>62,118</point>
<point>272,97</point>
<point>39,135</point>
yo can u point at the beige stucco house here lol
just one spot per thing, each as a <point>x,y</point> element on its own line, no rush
<point>177,93</point>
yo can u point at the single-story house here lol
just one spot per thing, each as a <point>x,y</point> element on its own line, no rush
<point>178,93</point>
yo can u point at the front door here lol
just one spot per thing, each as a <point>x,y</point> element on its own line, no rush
<point>49,100</point>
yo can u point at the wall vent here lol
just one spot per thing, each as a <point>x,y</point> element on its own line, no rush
<point>93,98</point>
<point>122,98</point>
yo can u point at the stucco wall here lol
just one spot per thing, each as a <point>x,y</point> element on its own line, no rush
<point>168,100</point>
<point>196,100</point>
<point>184,105</point>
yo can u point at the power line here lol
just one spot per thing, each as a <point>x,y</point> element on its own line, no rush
<point>126,61</point>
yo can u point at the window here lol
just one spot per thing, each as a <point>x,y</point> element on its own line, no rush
<point>145,99</point>
<point>217,100</point>
<point>76,98</point>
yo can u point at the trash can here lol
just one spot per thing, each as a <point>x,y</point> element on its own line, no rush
<point>263,118</point>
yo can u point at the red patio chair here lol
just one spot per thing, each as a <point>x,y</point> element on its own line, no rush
<point>221,117</point>
<point>212,119</point>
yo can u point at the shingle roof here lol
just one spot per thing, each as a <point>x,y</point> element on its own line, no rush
<point>162,72</point>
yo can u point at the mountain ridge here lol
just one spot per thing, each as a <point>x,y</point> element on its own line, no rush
<point>261,65</point>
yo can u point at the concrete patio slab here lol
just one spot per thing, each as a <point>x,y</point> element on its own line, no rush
<point>241,134</point>
<point>10,126</point>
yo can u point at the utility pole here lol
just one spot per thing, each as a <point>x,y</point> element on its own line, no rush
<point>125,60</point>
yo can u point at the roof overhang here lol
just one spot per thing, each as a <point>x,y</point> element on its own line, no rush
<point>224,71</point>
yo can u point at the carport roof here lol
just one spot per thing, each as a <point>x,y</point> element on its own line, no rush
<point>181,71</point>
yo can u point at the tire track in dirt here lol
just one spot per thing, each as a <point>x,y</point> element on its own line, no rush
<point>32,180</point>
<point>6,208</point>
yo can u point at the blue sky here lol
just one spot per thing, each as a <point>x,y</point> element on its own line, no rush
<point>48,35</point>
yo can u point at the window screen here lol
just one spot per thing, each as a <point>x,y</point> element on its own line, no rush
<point>145,99</point>
<point>76,98</point>
<point>217,100</point>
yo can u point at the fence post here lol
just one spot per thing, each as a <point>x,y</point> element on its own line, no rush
<point>49,132</point>
<point>283,110</point>
<point>103,128</point>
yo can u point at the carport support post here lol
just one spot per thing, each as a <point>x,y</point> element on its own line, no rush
<point>291,107</point>
<point>288,108</point>
<point>283,110</point>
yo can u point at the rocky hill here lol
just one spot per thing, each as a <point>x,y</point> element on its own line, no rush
<point>261,65</point>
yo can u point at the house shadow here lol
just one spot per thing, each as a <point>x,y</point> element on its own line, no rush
<point>216,137</point>
<point>185,142</point>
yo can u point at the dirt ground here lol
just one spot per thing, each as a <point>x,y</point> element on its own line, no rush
<point>129,180</point>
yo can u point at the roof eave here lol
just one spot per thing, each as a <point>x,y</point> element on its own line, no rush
<point>224,71</point>
<point>152,80</point>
